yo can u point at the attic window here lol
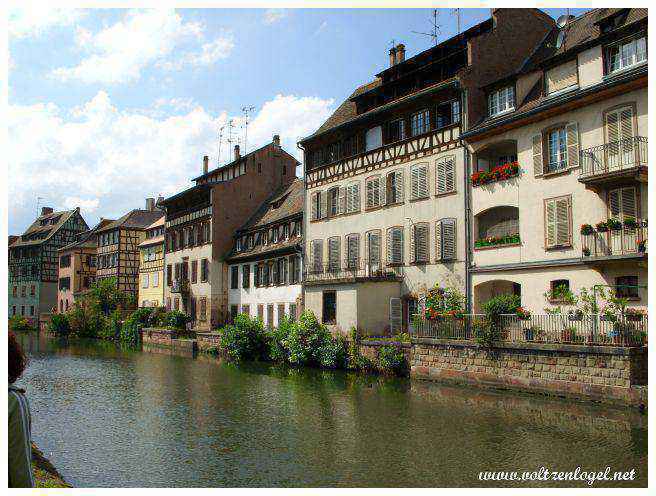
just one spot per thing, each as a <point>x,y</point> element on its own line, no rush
<point>614,22</point>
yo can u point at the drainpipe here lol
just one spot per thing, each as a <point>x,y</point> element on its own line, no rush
<point>305,226</point>
<point>468,251</point>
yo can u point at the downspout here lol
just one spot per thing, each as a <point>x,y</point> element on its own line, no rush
<point>467,168</point>
<point>305,226</point>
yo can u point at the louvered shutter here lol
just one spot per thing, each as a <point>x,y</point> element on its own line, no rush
<point>395,315</point>
<point>450,171</point>
<point>572,130</point>
<point>622,203</point>
<point>323,204</point>
<point>373,250</point>
<point>619,134</point>
<point>550,223</point>
<point>448,239</point>
<point>440,171</point>
<point>538,164</point>
<point>562,221</point>
<point>420,243</point>
<point>333,253</point>
<point>389,246</point>
<point>381,191</point>
<point>317,255</point>
<point>356,197</point>
<point>373,192</point>
<point>413,239</point>
<point>398,186</point>
<point>353,249</point>
<point>419,186</point>
<point>626,135</point>
<point>438,240</point>
<point>341,207</point>
<point>395,245</point>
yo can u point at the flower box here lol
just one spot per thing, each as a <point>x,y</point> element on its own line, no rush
<point>614,224</point>
<point>602,227</point>
<point>497,241</point>
<point>587,229</point>
<point>498,173</point>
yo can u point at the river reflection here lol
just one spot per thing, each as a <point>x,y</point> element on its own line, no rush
<point>112,416</point>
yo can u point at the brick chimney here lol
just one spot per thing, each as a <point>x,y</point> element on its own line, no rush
<point>205,164</point>
<point>46,210</point>
<point>150,204</point>
<point>392,56</point>
<point>237,155</point>
<point>400,53</point>
<point>276,139</point>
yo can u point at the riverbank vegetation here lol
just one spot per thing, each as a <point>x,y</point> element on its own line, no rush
<point>306,342</point>
<point>45,474</point>
<point>19,323</point>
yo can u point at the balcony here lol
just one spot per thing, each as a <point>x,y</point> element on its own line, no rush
<point>352,271</point>
<point>180,286</point>
<point>613,162</point>
<point>614,244</point>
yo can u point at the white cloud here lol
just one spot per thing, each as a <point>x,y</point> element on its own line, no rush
<point>119,53</point>
<point>272,16</point>
<point>34,21</point>
<point>107,161</point>
<point>321,27</point>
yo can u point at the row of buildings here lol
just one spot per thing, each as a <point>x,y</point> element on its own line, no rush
<point>511,158</point>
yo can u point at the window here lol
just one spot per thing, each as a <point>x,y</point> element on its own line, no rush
<point>445,239</point>
<point>558,225</point>
<point>32,290</point>
<point>168,303</point>
<point>445,175</point>
<point>319,205</point>
<point>498,222</point>
<point>627,287</point>
<point>626,54</point>
<point>447,113</point>
<point>329,307</point>
<point>420,122</point>
<point>144,280</point>
<point>333,202</point>
<point>394,187</point>
<point>169,275</point>
<point>32,308</point>
<point>622,203</point>
<point>14,291</point>
<point>155,279</point>
<point>557,290</point>
<point>419,181</point>
<point>281,312</point>
<point>396,130</point>
<point>373,138</point>
<point>353,251</point>
<point>353,197</point>
<point>374,193</point>
<point>234,277</point>
<point>317,255</point>
<point>204,270</point>
<point>501,100</point>
<point>333,253</point>
<point>373,250</point>
<point>260,312</point>
<point>245,276</point>
<point>194,271</point>
<point>419,249</point>
<point>202,308</point>
<point>270,315</point>
<point>395,246</point>
<point>296,269</point>
<point>64,285</point>
<point>65,261</point>
<point>557,149</point>
<point>292,312</point>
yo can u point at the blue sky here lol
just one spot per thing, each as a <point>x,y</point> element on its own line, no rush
<point>108,107</point>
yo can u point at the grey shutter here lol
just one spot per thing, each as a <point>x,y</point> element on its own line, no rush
<point>381,191</point>
<point>572,130</point>
<point>438,240</point>
<point>395,245</point>
<point>356,197</point>
<point>450,172</point>
<point>420,243</point>
<point>448,239</point>
<point>398,186</point>
<point>615,203</point>
<point>373,250</point>
<point>333,253</point>
<point>317,255</point>
<point>550,221</point>
<point>353,250</point>
<point>341,208</point>
<point>538,164</point>
<point>629,203</point>
<point>395,315</point>
<point>373,192</point>
<point>562,221</point>
<point>323,204</point>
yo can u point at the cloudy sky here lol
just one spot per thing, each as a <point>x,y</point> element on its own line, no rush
<point>108,107</point>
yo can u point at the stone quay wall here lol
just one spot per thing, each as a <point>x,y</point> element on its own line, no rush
<point>166,337</point>
<point>600,373</point>
<point>207,340</point>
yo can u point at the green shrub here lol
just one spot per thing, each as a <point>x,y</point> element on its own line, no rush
<point>391,360</point>
<point>305,339</point>
<point>486,332</point>
<point>59,325</point>
<point>501,304</point>
<point>111,326</point>
<point>130,328</point>
<point>174,320</point>
<point>277,341</point>
<point>84,322</point>
<point>332,354</point>
<point>245,339</point>
<point>19,323</point>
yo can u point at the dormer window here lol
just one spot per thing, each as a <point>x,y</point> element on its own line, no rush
<point>239,245</point>
<point>625,54</point>
<point>420,122</point>
<point>396,130</point>
<point>501,100</point>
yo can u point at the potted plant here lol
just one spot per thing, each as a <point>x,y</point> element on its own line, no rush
<point>642,246</point>
<point>634,314</point>
<point>601,226</point>
<point>532,333</point>
<point>586,252</point>
<point>614,224</point>
<point>575,315</point>
<point>568,335</point>
<point>522,313</point>
<point>587,229</point>
<point>630,223</point>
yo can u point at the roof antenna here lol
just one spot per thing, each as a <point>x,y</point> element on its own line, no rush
<point>218,160</point>
<point>246,111</point>
<point>457,13</point>
<point>435,29</point>
<point>38,203</point>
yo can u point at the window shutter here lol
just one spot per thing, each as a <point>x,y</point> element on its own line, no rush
<point>341,207</point>
<point>562,221</point>
<point>449,168</point>
<point>413,239</point>
<point>356,197</point>
<point>572,130</point>
<point>374,192</point>
<point>395,315</point>
<point>395,245</point>
<point>353,249</point>
<point>333,253</point>
<point>389,246</point>
<point>373,248</point>
<point>381,191</point>
<point>323,204</point>
<point>419,182</point>
<point>438,240</point>
<point>538,164</point>
<point>398,186</point>
<point>614,203</point>
<point>317,254</point>
<point>420,242</point>
<point>441,178</point>
<point>448,239</point>
<point>629,203</point>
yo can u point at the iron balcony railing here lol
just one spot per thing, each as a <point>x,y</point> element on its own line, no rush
<point>572,329</point>
<point>351,270</point>
<point>628,153</point>
<point>615,242</point>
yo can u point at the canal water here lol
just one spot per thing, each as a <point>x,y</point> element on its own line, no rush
<point>107,416</point>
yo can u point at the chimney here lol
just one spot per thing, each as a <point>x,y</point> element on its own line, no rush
<point>160,199</point>
<point>46,210</point>
<point>205,164</point>
<point>392,56</point>
<point>400,53</point>
<point>276,139</point>
<point>150,204</point>
<point>237,152</point>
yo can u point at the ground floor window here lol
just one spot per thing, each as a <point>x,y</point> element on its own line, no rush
<point>176,304</point>
<point>234,310</point>
<point>270,315</point>
<point>329,307</point>
<point>281,313</point>
<point>292,312</point>
<point>627,287</point>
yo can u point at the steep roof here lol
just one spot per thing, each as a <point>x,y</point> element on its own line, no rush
<point>87,239</point>
<point>156,239</point>
<point>45,225</point>
<point>285,202</point>
<point>134,219</point>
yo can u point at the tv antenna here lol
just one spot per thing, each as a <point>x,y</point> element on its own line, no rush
<point>246,110</point>
<point>457,13</point>
<point>434,31</point>
<point>38,203</point>
<point>218,160</point>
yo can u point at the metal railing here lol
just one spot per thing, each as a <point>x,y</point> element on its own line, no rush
<point>351,270</point>
<point>624,241</point>
<point>597,330</point>
<point>627,153</point>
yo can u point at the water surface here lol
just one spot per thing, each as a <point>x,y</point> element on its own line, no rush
<point>112,417</point>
